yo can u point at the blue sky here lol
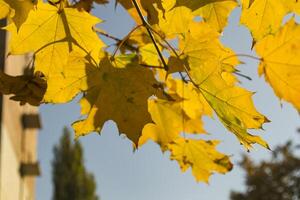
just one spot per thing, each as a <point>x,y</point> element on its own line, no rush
<point>148,174</point>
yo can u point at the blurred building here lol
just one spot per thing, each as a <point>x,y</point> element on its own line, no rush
<point>18,136</point>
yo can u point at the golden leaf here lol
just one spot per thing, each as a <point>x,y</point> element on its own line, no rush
<point>208,60</point>
<point>201,156</point>
<point>118,94</point>
<point>280,63</point>
<point>52,32</point>
<point>259,16</point>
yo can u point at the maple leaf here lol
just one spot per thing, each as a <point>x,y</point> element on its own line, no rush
<point>216,13</point>
<point>207,60</point>
<point>280,63</point>
<point>174,21</point>
<point>169,122</point>
<point>111,93</point>
<point>25,89</point>
<point>259,17</point>
<point>182,113</point>
<point>63,87</point>
<point>201,156</point>
<point>192,103</point>
<point>52,32</point>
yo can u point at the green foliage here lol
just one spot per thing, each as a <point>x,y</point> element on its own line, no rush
<point>71,180</point>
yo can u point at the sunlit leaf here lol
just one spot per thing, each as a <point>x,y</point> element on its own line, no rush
<point>208,60</point>
<point>52,32</point>
<point>201,156</point>
<point>280,62</point>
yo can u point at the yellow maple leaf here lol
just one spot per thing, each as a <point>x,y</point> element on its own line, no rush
<point>216,13</point>
<point>193,104</point>
<point>118,94</point>
<point>174,21</point>
<point>259,16</point>
<point>52,32</point>
<point>169,121</point>
<point>171,117</point>
<point>280,63</point>
<point>208,60</point>
<point>201,156</point>
<point>63,87</point>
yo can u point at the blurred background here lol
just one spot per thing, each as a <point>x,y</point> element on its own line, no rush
<point>40,159</point>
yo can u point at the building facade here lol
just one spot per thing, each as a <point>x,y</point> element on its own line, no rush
<point>18,136</point>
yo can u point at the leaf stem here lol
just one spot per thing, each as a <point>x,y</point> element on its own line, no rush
<point>147,26</point>
<point>243,76</point>
<point>123,41</point>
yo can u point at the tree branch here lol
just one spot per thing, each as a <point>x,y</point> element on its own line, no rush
<point>147,26</point>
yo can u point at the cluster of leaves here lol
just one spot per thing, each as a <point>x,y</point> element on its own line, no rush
<point>163,77</point>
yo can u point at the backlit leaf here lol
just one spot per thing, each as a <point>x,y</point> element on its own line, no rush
<point>280,62</point>
<point>259,16</point>
<point>118,94</point>
<point>208,60</point>
<point>52,32</point>
<point>201,156</point>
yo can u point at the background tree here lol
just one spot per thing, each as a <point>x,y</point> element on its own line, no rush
<point>277,179</point>
<point>70,178</point>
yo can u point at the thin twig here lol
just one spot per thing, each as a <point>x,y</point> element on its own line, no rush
<point>124,40</point>
<point>146,25</point>
<point>99,31</point>
<point>150,66</point>
<point>118,40</point>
